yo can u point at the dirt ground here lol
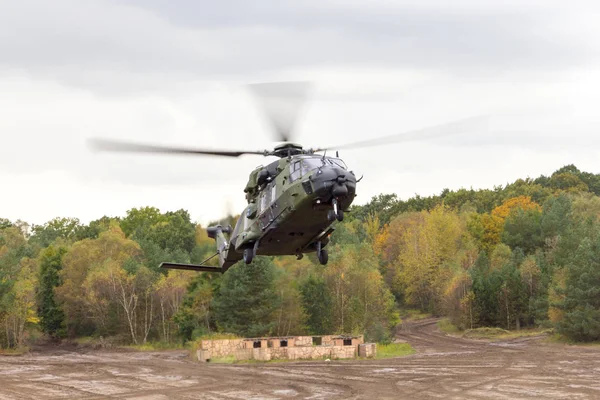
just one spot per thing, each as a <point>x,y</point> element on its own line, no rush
<point>444,367</point>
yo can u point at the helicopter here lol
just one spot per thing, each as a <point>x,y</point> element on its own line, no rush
<point>294,202</point>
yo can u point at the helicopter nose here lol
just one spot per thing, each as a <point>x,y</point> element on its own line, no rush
<point>333,182</point>
<point>339,187</point>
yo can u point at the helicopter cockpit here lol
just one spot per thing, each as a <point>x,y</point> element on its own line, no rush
<point>303,166</point>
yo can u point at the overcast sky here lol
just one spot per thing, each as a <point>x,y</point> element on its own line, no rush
<point>174,72</point>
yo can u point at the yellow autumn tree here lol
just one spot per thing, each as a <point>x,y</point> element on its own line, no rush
<point>21,299</point>
<point>289,316</point>
<point>458,300</point>
<point>372,227</point>
<point>428,248</point>
<point>556,295</point>
<point>360,298</point>
<point>83,257</point>
<point>170,291</point>
<point>493,223</point>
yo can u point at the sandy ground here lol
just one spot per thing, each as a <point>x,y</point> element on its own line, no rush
<point>444,367</point>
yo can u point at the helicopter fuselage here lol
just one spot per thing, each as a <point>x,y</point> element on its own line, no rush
<point>290,207</point>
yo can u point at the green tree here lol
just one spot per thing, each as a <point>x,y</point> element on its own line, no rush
<point>247,299</point>
<point>195,316</point>
<point>5,223</point>
<point>568,182</point>
<point>17,306</point>
<point>13,248</point>
<point>522,230</point>
<point>581,304</point>
<point>49,311</point>
<point>94,228</point>
<point>317,303</point>
<point>95,255</point>
<point>163,237</point>
<point>65,228</point>
<point>556,217</point>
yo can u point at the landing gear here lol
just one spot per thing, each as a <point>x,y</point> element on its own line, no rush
<point>249,253</point>
<point>336,213</point>
<point>331,216</point>
<point>322,254</point>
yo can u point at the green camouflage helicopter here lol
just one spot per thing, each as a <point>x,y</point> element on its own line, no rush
<point>294,201</point>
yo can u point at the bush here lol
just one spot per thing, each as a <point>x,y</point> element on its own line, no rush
<point>394,350</point>
<point>480,333</point>
<point>378,333</point>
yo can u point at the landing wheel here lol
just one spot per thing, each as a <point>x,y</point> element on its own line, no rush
<point>331,216</point>
<point>336,213</point>
<point>248,255</point>
<point>323,256</point>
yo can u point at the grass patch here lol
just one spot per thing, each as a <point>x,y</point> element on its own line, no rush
<point>502,334</point>
<point>224,360</point>
<point>86,340</point>
<point>447,327</point>
<point>561,339</point>
<point>485,333</point>
<point>394,350</point>
<point>414,315</point>
<point>18,351</point>
<point>155,346</point>
<point>218,336</point>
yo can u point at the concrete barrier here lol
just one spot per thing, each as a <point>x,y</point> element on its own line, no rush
<point>290,348</point>
<point>367,350</point>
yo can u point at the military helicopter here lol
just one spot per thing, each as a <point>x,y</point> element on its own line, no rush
<point>294,201</point>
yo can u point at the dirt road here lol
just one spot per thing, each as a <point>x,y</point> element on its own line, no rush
<point>443,367</point>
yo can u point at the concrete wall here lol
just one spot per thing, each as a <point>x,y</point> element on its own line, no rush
<point>303,341</point>
<point>297,353</point>
<point>368,350</point>
<point>222,348</point>
<point>298,348</point>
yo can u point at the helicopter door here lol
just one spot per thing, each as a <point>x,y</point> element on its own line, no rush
<point>266,212</point>
<point>295,171</point>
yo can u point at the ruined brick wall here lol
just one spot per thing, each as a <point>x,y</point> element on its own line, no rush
<point>303,341</point>
<point>343,351</point>
<point>309,353</point>
<point>327,340</point>
<point>368,350</point>
<point>298,348</point>
<point>221,348</point>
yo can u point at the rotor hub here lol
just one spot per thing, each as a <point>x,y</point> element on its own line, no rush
<point>287,149</point>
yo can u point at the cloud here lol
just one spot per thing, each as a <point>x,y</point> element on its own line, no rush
<point>111,46</point>
<point>173,72</point>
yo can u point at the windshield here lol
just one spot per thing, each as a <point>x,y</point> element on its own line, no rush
<point>336,162</point>
<point>303,167</point>
<point>308,164</point>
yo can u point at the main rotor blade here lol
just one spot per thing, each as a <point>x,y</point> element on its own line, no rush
<point>473,124</point>
<point>128,147</point>
<point>281,102</point>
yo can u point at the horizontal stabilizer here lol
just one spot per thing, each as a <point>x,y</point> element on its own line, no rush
<point>191,267</point>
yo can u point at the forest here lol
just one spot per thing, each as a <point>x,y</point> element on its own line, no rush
<point>524,254</point>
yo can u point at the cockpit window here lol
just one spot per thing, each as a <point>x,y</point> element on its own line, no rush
<point>308,164</point>
<point>295,171</point>
<point>303,167</point>
<point>336,162</point>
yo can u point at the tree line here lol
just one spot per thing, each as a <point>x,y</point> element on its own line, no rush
<point>520,255</point>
